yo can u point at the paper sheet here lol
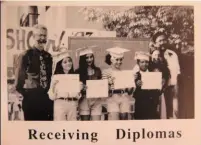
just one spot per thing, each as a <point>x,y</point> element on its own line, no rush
<point>151,80</point>
<point>97,88</point>
<point>123,79</point>
<point>67,83</point>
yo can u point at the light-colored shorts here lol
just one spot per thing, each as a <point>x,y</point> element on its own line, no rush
<point>122,103</point>
<point>90,106</point>
<point>65,110</point>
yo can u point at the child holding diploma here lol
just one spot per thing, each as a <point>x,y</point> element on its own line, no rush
<point>146,100</point>
<point>89,108</point>
<point>65,104</point>
<point>118,103</point>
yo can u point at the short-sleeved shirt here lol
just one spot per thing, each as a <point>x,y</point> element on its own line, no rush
<point>107,74</point>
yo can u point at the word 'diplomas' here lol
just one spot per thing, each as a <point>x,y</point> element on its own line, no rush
<point>128,134</point>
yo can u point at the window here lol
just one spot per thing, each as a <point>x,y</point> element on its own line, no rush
<point>29,20</point>
<point>46,8</point>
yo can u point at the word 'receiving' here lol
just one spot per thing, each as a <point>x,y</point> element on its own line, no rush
<point>63,135</point>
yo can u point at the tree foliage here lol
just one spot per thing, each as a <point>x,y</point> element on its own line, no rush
<point>144,21</point>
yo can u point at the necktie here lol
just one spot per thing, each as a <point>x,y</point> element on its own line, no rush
<point>43,75</point>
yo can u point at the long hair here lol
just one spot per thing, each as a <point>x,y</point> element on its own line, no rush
<point>108,59</point>
<point>83,67</point>
<point>59,69</point>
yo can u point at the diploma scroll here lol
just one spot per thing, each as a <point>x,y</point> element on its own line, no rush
<point>97,88</point>
<point>123,79</point>
<point>151,80</point>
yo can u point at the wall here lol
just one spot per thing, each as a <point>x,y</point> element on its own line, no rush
<point>12,17</point>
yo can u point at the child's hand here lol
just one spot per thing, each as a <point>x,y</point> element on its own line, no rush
<point>79,95</point>
<point>111,80</point>
<point>83,86</point>
<point>54,85</point>
<point>139,83</point>
<point>130,89</point>
<point>136,76</point>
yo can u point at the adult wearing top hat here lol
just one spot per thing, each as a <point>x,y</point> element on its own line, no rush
<point>89,108</point>
<point>65,104</point>
<point>118,102</point>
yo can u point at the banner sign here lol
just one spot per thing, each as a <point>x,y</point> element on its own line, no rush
<point>21,39</point>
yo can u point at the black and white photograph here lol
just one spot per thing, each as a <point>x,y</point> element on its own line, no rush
<point>100,63</point>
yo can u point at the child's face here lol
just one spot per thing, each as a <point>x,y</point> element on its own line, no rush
<point>89,59</point>
<point>156,56</point>
<point>143,64</point>
<point>67,63</point>
<point>10,88</point>
<point>117,62</point>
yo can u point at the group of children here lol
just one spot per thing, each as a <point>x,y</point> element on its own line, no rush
<point>121,104</point>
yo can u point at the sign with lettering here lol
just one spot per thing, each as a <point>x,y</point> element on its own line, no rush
<point>21,39</point>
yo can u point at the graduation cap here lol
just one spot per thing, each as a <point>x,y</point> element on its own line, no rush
<point>117,52</point>
<point>140,55</point>
<point>58,57</point>
<point>85,50</point>
<point>63,55</point>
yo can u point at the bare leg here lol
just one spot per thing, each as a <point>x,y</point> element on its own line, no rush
<point>95,117</point>
<point>113,116</point>
<point>16,115</point>
<point>130,116</point>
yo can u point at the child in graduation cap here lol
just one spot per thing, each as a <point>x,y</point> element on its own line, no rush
<point>118,103</point>
<point>89,108</point>
<point>146,101</point>
<point>65,104</point>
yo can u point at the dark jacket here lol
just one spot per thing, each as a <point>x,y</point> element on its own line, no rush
<point>28,70</point>
<point>146,102</point>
